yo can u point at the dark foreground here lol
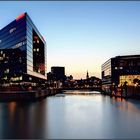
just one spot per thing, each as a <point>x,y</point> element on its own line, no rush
<point>87,116</point>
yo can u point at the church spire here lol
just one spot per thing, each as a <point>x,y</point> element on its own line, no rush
<point>87,75</point>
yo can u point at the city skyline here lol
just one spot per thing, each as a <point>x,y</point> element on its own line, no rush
<point>86,33</point>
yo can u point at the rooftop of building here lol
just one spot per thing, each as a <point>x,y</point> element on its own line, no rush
<point>122,57</point>
<point>17,19</point>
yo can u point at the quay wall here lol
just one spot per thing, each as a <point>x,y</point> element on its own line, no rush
<point>27,95</point>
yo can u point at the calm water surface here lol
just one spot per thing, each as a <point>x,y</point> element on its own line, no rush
<point>71,116</point>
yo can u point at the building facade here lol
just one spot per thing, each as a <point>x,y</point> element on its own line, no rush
<point>120,70</point>
<point>56,78</point>
<point>58,73</point>
<point>23,53</point>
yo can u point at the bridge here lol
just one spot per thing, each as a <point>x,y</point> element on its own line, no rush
<point>85,88</point>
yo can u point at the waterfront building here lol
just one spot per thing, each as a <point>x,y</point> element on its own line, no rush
<point>23,58</point>
<point>119,71</point>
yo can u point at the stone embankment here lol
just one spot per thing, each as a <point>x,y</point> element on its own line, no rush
<point>27,95</point>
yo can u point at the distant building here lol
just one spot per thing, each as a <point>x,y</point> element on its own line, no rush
<point>87,75</point>
<point>69,82</point>
<point>120,70</point>
<point>69,78</point>
<point>23,58</point>
<point>50,76</point>
<point>91,82</point>
<point>56,77</point>
<point>58,73</point>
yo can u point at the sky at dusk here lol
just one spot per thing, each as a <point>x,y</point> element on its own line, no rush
<point>81,35</point>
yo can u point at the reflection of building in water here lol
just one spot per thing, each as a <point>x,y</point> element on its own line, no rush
<point>120,70</point>
<point>22,53</point>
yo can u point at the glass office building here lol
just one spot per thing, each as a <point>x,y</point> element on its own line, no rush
<point>23,53</point>
<point>119,70</point>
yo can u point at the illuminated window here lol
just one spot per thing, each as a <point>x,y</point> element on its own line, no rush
<point>0,41</point>
<point>5,78</point>
<point>37,41</point>
<point>20,78</point>
<point>4,55</point>
<point>129,79</point>
<point>38,54</point>
<point>30,78</point>
<point>7,70</point>
<point>16,78</point>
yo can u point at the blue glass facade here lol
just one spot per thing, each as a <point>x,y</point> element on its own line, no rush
<point>23,53</point>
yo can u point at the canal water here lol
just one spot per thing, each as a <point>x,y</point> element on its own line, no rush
<point>81,115</point>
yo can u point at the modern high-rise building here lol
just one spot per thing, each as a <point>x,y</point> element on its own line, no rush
<point>23,53</point>
<point>120,70</point>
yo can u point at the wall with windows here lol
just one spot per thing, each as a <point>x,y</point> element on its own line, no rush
<point>121,69</point>
<point>106,73</point>
<point>35,67</point>
<point>129,79</point>
<point>16,52</point>
<point>13,51</point>
<point>13,34</point>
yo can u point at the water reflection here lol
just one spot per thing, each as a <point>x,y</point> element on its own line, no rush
<point>81,92</point>
<point>90,116</point>
<point>23,120</point>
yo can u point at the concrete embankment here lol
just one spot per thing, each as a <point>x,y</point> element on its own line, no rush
<point>27,95</point>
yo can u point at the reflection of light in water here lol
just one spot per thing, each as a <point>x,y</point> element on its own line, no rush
<point>85,92</point>
<point>12,107</point>
<point>73,116</point>
<point>82,97</point>
<point>60,95</point>
<point>126,105</point>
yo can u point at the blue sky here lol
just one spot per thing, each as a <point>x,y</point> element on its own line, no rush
<point>81,35</point>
